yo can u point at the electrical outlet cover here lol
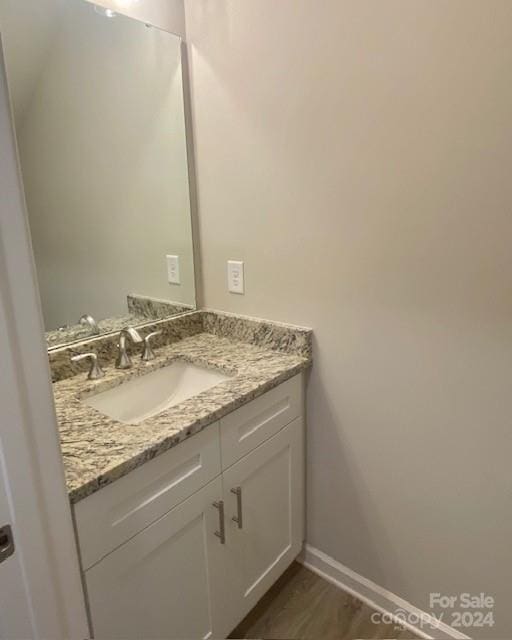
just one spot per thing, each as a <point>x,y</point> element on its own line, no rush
<point>236,277</point>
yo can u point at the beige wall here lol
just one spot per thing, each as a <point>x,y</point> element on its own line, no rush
<point>357,155</point>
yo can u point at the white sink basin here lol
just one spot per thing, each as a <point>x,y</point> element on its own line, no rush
<point>150,394</point>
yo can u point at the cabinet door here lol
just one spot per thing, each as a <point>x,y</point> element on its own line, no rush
<point>270,482</point>
<point>163,582</point>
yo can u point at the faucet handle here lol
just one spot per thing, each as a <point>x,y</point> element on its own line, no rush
<point>148,353</point>
<point>95,371</point>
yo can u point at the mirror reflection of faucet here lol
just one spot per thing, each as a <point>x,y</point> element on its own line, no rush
<point>88,321</point>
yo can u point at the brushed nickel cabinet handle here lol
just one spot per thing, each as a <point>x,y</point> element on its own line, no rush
<point>221,533</point>
<point>238,518</point>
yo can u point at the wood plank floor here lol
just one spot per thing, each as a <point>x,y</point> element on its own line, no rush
<point>301,605</point>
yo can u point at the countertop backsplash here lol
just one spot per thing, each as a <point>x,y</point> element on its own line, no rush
<point>261,333</point>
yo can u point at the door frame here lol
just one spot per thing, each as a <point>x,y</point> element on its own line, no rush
<point>29,443</point>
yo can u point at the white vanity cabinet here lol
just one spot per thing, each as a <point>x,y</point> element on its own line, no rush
<point>185,545</point>
<point>161,583</point>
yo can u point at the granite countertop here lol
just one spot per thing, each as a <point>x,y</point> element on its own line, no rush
<point>97,450</point>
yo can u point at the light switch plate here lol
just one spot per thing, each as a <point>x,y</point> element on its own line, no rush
<point>236,276</point>
<point>173,269</point>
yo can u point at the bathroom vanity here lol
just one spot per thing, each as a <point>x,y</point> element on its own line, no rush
<point>186,545</point>
<point>186,517</point>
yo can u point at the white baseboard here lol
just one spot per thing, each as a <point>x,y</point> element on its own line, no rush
<point>384,601</point>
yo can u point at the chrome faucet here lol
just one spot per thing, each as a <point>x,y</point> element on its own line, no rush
<point>88,321</point>
<point>123,359</point>
<point>95,371</point>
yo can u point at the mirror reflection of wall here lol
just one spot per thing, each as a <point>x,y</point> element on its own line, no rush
<point>99,116</point>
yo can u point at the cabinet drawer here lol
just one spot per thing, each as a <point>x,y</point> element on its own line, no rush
<point>120,510</point>
<point>252,424</point>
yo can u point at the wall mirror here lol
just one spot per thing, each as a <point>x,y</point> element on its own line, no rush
<point>100,124</point>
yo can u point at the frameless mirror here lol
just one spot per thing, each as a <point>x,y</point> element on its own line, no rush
<point>100,123</point>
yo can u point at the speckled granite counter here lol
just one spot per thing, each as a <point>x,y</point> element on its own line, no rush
<point>97,450</point>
